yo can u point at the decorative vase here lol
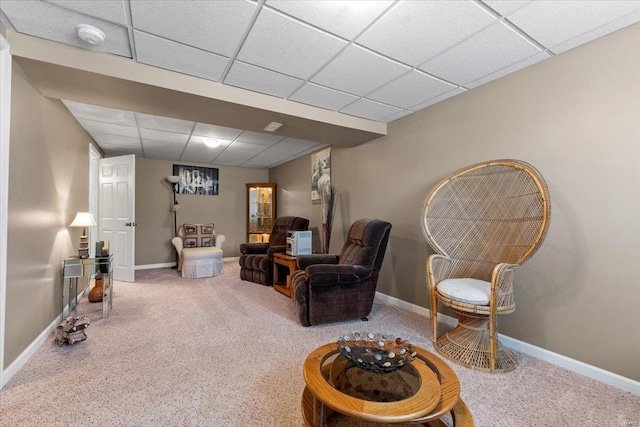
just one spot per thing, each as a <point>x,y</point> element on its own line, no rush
<point>98,288</point>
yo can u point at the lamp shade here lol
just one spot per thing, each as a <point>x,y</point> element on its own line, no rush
<point>174,179</point>
<point>83,219</point>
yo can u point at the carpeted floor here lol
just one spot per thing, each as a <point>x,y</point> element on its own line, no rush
<point>224,352</point>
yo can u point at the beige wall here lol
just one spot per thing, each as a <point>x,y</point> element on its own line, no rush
<point>49,169</point>
<point>154,199</point>
<point>576,118</point>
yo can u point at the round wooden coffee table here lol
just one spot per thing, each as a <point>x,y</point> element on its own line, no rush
<point>421,393</point>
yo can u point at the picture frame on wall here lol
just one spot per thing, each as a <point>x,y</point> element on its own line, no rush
<point>196,180</point>
<point>320,173</point>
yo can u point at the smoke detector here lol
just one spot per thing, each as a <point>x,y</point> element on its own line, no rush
<point>273,126</point>
<point>90,34</point>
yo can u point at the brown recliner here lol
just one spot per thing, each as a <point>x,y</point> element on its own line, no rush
<point>256,261</point>
<point>331,288</point>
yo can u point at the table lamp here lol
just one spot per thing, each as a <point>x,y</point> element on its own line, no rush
<point>83,219</point>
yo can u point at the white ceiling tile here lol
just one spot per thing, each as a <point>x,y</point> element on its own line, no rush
<point>486,52</point>
<point>60,25</point>
<point>213,131</point>
<point>281,151</point>
<point>358,71</point>
<point>410,89</point>
<point>115,149</point>
<point>540,56</point>
<point>235,157</point>
<point>396,116</point>
<point>116,140</point>
<point>108,128</point>
<point>163,53</point>
<point>214,26</point>
<point>101,114</point>
<point>113,11</point>
<point>160,150</point>
<point>322,97</point>
<point>149,121</point>
<point>246,147</point>
<point>414,31</point>
<point>260,138</point>
<point>603,30</point>
<point>437,99</point>
<point>297,143</point>
<point>369,109</point>
<point>162,136</point>
<point>264,160</point>
<point>506,7</point>
<point>554,22</point>
<point>200,154</point>
<point>343,18</point>
<point>281,44</point>
<point>261,80</point>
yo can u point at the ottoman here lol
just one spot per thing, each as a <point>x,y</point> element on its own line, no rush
<point>201,262</point>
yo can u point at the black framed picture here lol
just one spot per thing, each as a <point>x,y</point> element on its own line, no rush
<point>196,180</point>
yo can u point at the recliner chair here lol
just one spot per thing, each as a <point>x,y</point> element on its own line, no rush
<point>256,261</point>
<point>331,288</point>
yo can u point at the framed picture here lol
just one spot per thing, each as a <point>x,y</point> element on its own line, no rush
<point>320,172</point>
<point>196,180</point>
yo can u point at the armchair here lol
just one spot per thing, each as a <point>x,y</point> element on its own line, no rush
<point>199,250</point>
<point>330,288</point>
<point>256,259</point>
<point>483,221</point>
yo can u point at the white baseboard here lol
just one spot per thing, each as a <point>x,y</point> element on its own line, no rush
<point>171,264</point>
<point>17,364</point>
<point>598,374</point>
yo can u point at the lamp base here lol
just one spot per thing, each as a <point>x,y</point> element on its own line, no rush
<point>83,250</point>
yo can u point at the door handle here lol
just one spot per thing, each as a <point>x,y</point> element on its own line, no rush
<point>130,224</point>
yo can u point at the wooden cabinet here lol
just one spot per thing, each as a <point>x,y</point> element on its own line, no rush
<point>261,211</point>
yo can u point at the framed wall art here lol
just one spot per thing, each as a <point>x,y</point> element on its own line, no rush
<point>196,180</point>
<point>320,173</point>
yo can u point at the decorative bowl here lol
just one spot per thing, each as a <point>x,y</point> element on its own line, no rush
<point>376,352</point>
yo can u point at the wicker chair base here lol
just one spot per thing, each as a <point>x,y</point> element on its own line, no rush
<point>468,345</point>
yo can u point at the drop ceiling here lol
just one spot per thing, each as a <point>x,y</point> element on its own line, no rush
<point>377,60</point>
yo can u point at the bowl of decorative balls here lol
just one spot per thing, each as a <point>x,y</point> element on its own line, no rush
<point>374,352</point>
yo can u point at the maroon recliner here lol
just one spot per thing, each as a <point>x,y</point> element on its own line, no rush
<point>331,288</point>
<point>256,261</point>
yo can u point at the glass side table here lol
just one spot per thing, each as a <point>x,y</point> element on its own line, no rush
<point>73,268</point>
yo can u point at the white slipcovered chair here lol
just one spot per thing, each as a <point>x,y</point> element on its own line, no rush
<point>199,250</point>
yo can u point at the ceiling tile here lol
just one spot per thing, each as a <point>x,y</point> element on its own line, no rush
<point>116,140</point>
<point>234,157</point>
<point>281,151</point>
<point>161,150</point>
<point>260,138</point>
<point>281,44</point>
<point>163,53</point>
<point>414,31</point>
<point>101,114</point>
<point>108,128</point>
<point>603,30</point>
<point>162,136</point>
<point>213,131</point>
<point>345,19</point>
<point>297,143</point>
<point>437,99</point>
<point>410,89</point>
<point>263,160</point>
<point>486,52</point>
<point>115,149</point>
<point>149,121</point>
<point>322,97</point>
<point>540,56</point>
<point>554,22</point>
<point>214,26</point>
<point>261,80</point>
<point>506,7</point>
<point>113,11</point>
<point>246,147</point>
<point>358,71</point>
<point>200,154</point>
<point>60,25</point>
<point>369,109</point>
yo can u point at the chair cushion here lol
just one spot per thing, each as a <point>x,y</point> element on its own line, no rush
<point>470,291</point>
<point>202,253</point>
<point>198,236</point>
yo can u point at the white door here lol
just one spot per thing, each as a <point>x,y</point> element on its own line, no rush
<point>116,222</point>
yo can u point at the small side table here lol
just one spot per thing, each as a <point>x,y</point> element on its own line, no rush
<point>283,268</point>
<point>72,268</point>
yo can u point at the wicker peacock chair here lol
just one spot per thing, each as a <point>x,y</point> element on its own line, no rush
<point>483,221</point>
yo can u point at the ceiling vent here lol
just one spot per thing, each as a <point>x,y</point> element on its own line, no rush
<point>273,126</point>
<point>90,34</point>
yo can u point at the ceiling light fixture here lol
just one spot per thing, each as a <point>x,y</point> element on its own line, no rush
<point>211,142</point>
<point>273,126</point>
<point>90,34</point>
